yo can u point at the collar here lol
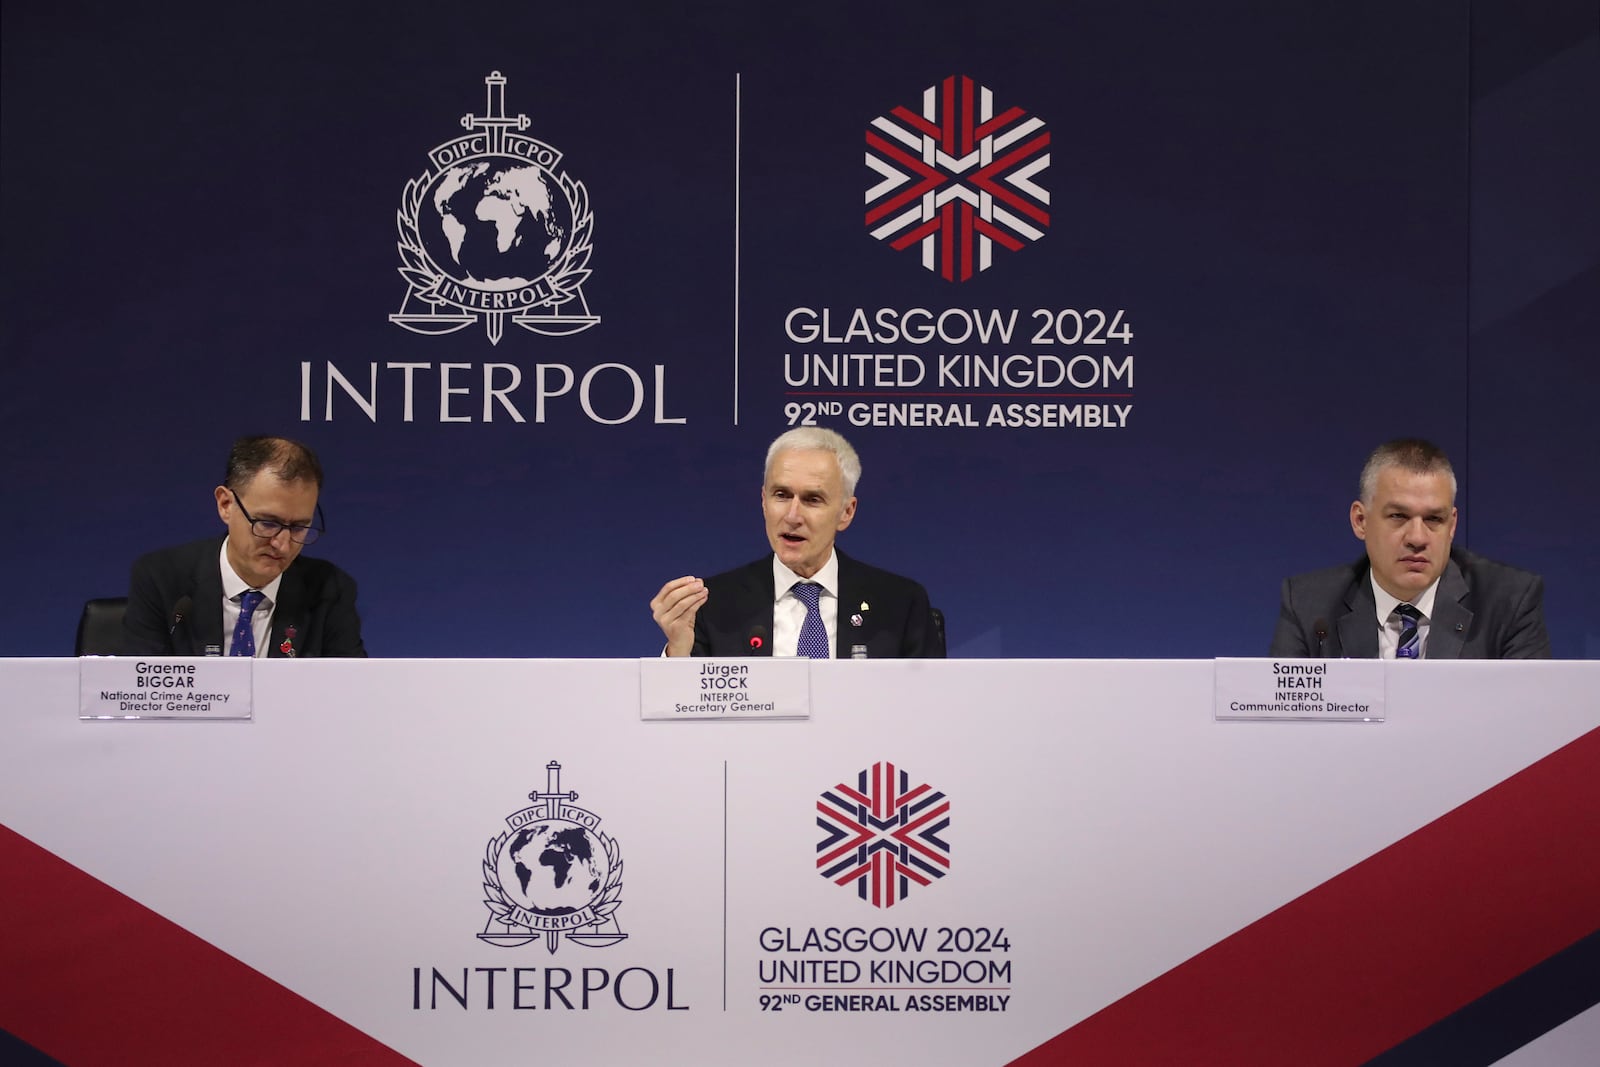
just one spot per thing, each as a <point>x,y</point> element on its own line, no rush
<point>783,578</point>
<point>233,586</point>
<point>1386,603</point>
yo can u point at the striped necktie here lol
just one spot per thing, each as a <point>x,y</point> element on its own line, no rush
<point>244,638</point>
<point>1410,636</point>
<point>813,635</point>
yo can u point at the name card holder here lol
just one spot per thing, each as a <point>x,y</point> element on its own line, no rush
<point>1292,690</point>
<point>161,689</point>
<point>757,687</point>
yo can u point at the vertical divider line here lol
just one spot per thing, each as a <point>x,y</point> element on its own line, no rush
<point>737,146</point>
<point>724,885</point>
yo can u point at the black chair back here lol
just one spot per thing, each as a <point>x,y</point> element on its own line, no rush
<point>100,628</point>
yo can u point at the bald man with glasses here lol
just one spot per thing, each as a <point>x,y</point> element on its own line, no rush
<point>250,593</point>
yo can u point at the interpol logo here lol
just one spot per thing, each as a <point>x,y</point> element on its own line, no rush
<point>494,230</point>
<point>881,835</point>
<point>958,178</point>
<point>552,873</point>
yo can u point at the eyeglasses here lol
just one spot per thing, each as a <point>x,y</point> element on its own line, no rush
<point>267,529</point>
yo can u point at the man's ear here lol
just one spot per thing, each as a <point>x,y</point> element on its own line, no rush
<point>1358,520</point>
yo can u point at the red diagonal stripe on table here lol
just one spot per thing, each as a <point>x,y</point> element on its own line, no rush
<point>1385,949</point>
<point>89,976</point>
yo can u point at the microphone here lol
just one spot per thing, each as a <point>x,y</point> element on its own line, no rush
<point>180,611</point>
<point>758,640</point>
<point>1320,628</point>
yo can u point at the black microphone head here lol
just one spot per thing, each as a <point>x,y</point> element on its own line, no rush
<point>181,609</point>
<point>758,640</point>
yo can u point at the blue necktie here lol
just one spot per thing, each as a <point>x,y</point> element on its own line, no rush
<point>244,638</point>
<point>813,635</point>
<point>1410,636</point>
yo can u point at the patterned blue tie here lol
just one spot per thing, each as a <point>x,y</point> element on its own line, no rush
<point>244,638</point>
<point>813,635</point>
<point>1410,636</point>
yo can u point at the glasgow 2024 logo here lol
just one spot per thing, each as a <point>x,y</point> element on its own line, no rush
<point>881,835</point>
<point>959,178</point>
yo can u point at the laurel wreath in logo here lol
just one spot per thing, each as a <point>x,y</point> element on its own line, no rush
<point>565,278</point>
<point>501,907</point>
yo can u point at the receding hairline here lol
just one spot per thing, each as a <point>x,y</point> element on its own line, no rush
<point>284,458</point>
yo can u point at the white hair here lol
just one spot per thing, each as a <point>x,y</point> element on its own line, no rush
<point>818,439</point>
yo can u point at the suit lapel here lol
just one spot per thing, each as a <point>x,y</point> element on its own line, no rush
<point>852,594</point>
<point>761,590</point>
<point>205,628</point>
<point>1358,627</point>
<point>290,610</point>
<point>1451,616</point>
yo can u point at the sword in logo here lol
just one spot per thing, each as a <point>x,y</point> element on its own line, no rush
<point>552,781</point>
<point>495,120</point>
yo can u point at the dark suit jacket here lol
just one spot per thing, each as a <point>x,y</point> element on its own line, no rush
<point>896,625</point>
<point>1481,610</point>
<point>315,597</point>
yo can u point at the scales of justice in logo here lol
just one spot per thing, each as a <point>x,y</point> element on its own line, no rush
<point>493,230</point>
<point>552,873</point>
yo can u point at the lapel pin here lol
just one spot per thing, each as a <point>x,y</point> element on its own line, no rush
<point>864,605</point>
<point>287,648</point>
<point>855,620</point>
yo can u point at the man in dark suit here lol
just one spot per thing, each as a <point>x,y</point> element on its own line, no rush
<point>1414,595</point>
<point>239,595</point>
<point>806,598</point>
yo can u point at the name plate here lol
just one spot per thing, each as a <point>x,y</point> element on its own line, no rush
<point>1283,690</point>
<point>754,688</point>
<point>124,688</point>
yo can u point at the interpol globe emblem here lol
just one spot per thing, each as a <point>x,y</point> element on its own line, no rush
<point>552,867</point>
<point>552,873</point>
<point>494,230</point>
<point>496,223</point>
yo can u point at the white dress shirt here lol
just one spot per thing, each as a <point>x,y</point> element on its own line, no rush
<point>235,587</point>
<point>789,614</point>
<point>1389,623</point>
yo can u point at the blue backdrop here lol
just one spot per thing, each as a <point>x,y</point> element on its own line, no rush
<point>1313,229</point>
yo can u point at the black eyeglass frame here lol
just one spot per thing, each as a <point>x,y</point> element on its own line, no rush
<point>300,534</point>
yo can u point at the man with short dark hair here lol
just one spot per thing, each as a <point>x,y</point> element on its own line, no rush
<point>240,596</point>
<point>1414,595</point>
<point>806,598</point>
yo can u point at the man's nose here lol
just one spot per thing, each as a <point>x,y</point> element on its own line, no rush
<point>281,540</point>
<point>1417,534</point>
